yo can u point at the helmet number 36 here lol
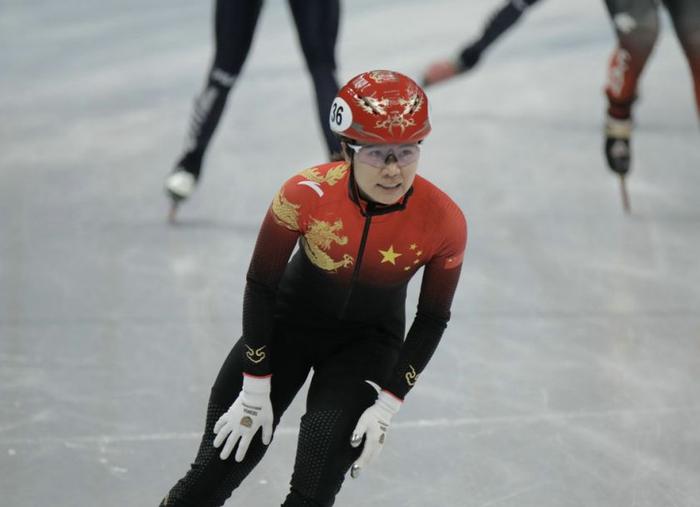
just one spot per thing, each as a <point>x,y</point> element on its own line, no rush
<point>341,115</point>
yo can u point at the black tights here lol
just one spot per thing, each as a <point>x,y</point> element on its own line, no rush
<point>499,22</point>
<point>234,26</point>
<point>338,394</point>
<point>636,42</point>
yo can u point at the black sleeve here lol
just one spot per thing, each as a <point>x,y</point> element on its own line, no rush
<point>440,279</point>
<point>500,21</point>
<point>423,337</point>
<point>273,248</point>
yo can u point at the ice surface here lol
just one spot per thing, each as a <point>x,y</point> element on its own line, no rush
<point>568,375</point>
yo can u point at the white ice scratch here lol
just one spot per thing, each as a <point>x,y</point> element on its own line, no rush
<point>554,417</point>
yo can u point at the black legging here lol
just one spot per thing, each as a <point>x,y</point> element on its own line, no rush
<point>234,26</point>
<point>338,394</point>
<point>637,28</point>
<point>500,21</point>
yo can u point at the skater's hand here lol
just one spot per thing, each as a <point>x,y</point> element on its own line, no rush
<point>373,425</point>
<point>251,410</point>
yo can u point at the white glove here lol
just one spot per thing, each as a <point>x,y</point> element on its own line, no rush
<point>251,410</point>
<point>373,424</point>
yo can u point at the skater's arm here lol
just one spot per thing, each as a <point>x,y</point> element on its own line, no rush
<point>284,223</point>
<point>437,289</point>
<point>273,248</point>
<point>438,286</point>
<point>252,409</point>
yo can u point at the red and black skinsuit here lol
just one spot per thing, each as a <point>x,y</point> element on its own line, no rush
<point>338,307</point>
<point>637,28</point>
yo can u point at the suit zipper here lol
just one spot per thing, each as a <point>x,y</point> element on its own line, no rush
<point>358,264</point>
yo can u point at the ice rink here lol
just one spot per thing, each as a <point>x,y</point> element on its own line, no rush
<point>569,374</point>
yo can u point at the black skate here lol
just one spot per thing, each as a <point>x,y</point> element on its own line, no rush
<point>617,145</point>
<point>618,153</point>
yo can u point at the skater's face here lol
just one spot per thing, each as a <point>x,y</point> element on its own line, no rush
<point>384,172</point>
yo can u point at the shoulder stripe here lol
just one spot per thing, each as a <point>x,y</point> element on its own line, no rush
<point>313,185</point>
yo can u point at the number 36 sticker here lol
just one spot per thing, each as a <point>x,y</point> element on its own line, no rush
<point>341,115</point>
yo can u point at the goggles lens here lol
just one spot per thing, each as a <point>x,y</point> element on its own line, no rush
<point>377,155</point>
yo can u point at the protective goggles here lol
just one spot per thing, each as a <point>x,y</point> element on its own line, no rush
<point>377,155</point>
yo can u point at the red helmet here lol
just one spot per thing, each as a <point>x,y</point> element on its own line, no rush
<point>381,106</point>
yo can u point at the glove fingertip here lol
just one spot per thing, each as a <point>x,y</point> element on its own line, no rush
<point>242,449</point>
<point>267,434</point>
<point>219,440</point>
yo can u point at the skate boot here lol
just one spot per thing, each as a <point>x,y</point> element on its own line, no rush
<point>440,71</point>
<point>617,144</point>
<point>179,185</point>
<point>447,69</point>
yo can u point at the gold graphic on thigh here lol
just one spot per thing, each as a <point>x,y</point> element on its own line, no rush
<point>285,212</point>
<point>318,240</point>
<point>255,355</point>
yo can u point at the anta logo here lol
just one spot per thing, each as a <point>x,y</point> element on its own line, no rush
<point>315,186</point>
<point>411,376</point>
<point>255,355</point>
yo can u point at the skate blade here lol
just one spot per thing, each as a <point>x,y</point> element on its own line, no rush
<point>172,213</point>
<point>625,195</point>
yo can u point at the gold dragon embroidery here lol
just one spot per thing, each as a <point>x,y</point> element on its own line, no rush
<point>333,176</point>
<point>285,212</point>
<point>318,240</point>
